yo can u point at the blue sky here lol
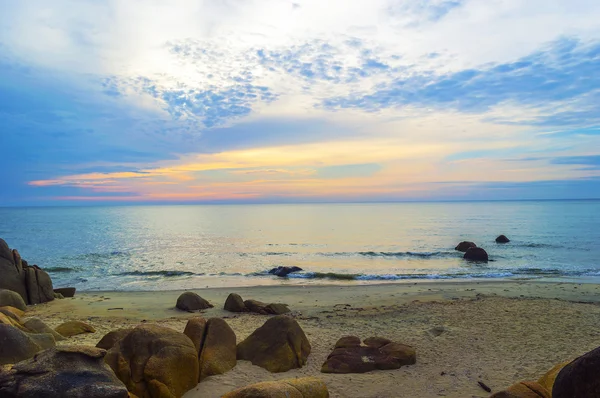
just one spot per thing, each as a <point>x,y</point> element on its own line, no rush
<point>265,101</point>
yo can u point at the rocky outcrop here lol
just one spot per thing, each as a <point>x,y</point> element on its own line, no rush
<point>284,271</point>
<point>502,239</point>
<point>30,282</point>
<point>464,246</point>
<point>524,389</point>
<point>66,291</point>
<point>278,346</point>
<point>190,301</point>
<point>16,345</point>
<point>154,361</point>
<point>579,378</point>
<point>266,309</point>
<point>215,343</point>
<point>349,356</point>
<point>67,371</point>
<point>111,338</point>
<point>235,303</point>
<point>306,387</point>
<point>476,254</point>
<point>73,328</point>
<point>9,298</point>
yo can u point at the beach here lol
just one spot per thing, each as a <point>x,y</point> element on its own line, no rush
<point>496,332</point>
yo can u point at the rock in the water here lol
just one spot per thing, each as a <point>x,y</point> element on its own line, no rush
<point>464,246</point>
<point>11,299</point>
<point>67,371</point>
<point>548,379</point>
<point>35,325</point>
<point>215,343</point>
<point>234,303</point>
<point>72,328</point>
<point>524,389</point>
<point>579,379</point>
<point>190,301</point>
<point>284,271</point>
<point>66,291</point>
<point>154,361</point>
<point>266,309</point>
<point>15,345</point>
<point>278,346</point>
<point>111,338</point>
<point>378,353</point>
<point>502,239</point>
<point>306,387</point>
<point>476,254</point>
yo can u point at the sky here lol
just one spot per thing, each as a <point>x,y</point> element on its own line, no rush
<point>268,101</point>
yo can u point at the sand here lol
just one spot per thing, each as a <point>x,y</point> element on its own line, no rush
<point>495,332</point>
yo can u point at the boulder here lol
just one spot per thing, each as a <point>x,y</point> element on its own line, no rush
<point>15,345</point>
<point>278,346</point>
<point>284,271</point>
<point>464,246</point>
<point>377,353</point>
<point>73,328</point>
<point>524,389</point>
<point>12,312</point>
<point>67,371</point>
<point>154,361</point>
<point>234,303</point>
<point>190,301</point>
<point>476,254</point>
<point>502,239</point>
<point>11,299</point>
<point>39,285</point>
<point>579,378</point>
<point>44,340</point>
<point>11,321</point>
<point>266,309</point>
<point>65,291</point>
<point>548,379</point>
<point>35,325</point>
<point>306,387</point>
<point>215,343</point>
<point>111,338</point>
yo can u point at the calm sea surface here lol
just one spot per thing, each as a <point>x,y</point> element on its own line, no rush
<point>172,247</point>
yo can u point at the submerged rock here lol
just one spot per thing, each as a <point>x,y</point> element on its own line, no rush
<point>190,301</point>
<point>306,387</point>
<point>502,239</point>
<point>476,254</point>
<point>284,271</point>
<point>464,246</point>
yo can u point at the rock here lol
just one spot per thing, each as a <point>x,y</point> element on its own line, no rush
<point>579,378</point>
<point>215,343</point>
<point>12,299</point>
<point>266,309</point>
<point>348,341</point>
<point>12,312</point>
<point>111,338</point>
<point>72,328</point>
<point>502,239</point>
<point>44,340</point>
<point>278,346</point>
<point>476,254</point>
<point>190,301</point>
<point>277,309</point>
<point>9,320</point>
<point>234,303</point>
<point>35,325</point>
<point>15,345</point>
<point>39,285</point>
<point>154,361</point>
<point>436,331</point>
<point>284,271</point>
<point>66,291</point>
<point>378,353</point>
<point>67,371</point>
<point>464,246</point>
<point>548,379</point>
<point>306,387</point>
<point>524,389</point>
<point>58,296</point>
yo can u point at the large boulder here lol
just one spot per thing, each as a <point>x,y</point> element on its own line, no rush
<point>16,345</point>
<point>111,338</point>
<point>502,239</point>
<point>284,271</point>
<point>306,387</point>
<point>349,356</point>
<point>73,328</point>
<point>190,301</point>
<point>278,346</point>
<point>579,378</point>
<point>154,361</point>
<point>464,246</point>
<point>35,325</point>
<point>215,343</point>
<point>266,309</point>
<point>235,303</point>
<point>67,371</point>
<point>524,389</point>
<point>476,254</point>
<point>11,299</point>
<point>39,285</point>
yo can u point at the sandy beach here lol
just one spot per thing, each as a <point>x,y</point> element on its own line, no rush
<point>497,332</point>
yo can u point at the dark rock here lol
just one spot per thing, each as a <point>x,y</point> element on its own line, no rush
<point>361,359</point>
<point>190,301</point>
<point>502,239</point>
<point>348,341</point>
<point>579,379</point>
<point>464,246</point>
<point>278,346</point>
<point>35,325</point>
<point>524,389</point>
<point>277,309</point>
<point>234,303</point>
<point>284,271</point>
<point>113,337</point>
<point>476,254</point>
<point>12,299</point>
<point>39,285</point>
<point>73,328</point>
<point>266,309</point>
<point>154,361</point>
<point>67,371</point>
<point>15,345</point>
<point>305,387</point>
<point>66,291</point>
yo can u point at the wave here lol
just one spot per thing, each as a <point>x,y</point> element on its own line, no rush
<point>59,269</point>
<point>165,273</point>
<point>98,256</point>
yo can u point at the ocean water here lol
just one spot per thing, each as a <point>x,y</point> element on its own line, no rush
<point>174,247</point>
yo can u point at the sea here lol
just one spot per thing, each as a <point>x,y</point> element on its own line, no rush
<point>134,248</point>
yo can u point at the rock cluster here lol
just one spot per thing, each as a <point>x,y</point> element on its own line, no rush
<point>235,303</point>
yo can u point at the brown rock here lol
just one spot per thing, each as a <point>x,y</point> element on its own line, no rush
<point>9,320</point>
<point>476,254</point>
<point>277,309</point>
<point>111,338</point>
<point>266,309</point>
<point>502,239</point>
<point>348,341</point>
<point>579,378</point>
<point>278,346</point>
<point>38,285</point>
<point>464,246</point>
<point>524,389</point>
<point>306,387</point>
<point>548,379</point>
<point>12,312</point>
<point>377,342</point>
<point>66,291</point>
<point>15,345</point>
<point>234,303</point>
<point>67,371</point>
<point>35,325</point>
<point>12,275</point>
<point>190,301</point>
<point>72,328</point>
<point>154,361</point>
<point>11,299</point>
